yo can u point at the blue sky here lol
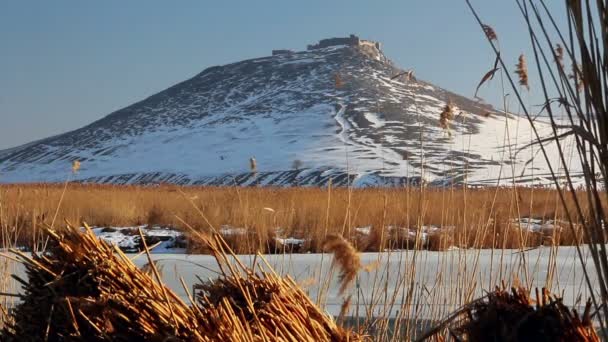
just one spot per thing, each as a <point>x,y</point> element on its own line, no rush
<point>64,64</point>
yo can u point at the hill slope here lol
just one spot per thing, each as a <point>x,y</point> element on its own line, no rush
<point>303,124</point>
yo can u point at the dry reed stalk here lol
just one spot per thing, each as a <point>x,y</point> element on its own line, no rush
<point>346,257</point>
<point>344,308</point>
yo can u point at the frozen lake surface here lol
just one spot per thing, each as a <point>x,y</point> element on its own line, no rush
<point>430,284</point>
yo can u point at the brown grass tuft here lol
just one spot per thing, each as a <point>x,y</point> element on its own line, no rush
<point>513,315</point>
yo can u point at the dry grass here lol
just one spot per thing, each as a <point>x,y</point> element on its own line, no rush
<point>479,218</point>
<point>81,289</point>
<point>522,71</point>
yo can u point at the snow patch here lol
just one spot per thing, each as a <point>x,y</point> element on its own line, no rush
<point>158,239</point>
<point>375,120</point>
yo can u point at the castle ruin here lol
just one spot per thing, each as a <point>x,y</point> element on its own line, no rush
<point>368,47</point>
<point>351,40</point>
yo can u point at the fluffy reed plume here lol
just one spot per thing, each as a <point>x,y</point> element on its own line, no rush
<point>346,257</point>
<point>489,31</point>
<point>446,115</point>
<point>577,77</point>
<point>522,71</point>
<point>514,316</point>
<point>559,56</point>
<point>75,166</point>
<point>82,289</point>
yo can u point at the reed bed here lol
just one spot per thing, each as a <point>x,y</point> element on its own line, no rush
<point>81,288</point>
<point>477,218</point>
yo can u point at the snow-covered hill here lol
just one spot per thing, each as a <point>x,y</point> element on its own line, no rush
<point>307,117</point>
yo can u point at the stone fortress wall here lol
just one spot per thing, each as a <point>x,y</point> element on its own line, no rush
<point>351,40</point>
<point>369,47</point>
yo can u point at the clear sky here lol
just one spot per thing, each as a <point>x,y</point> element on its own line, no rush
<point>64,64</point>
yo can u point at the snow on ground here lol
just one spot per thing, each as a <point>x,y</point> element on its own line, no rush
<point>364,230</point>
<point>158,239</point>
<point>409,234</point>
<point>227,230</point>
<point>502,139</point>
<point>290,242</point>
<point>375,120</point>
<point>168,240</point>
<point>547,227</point>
